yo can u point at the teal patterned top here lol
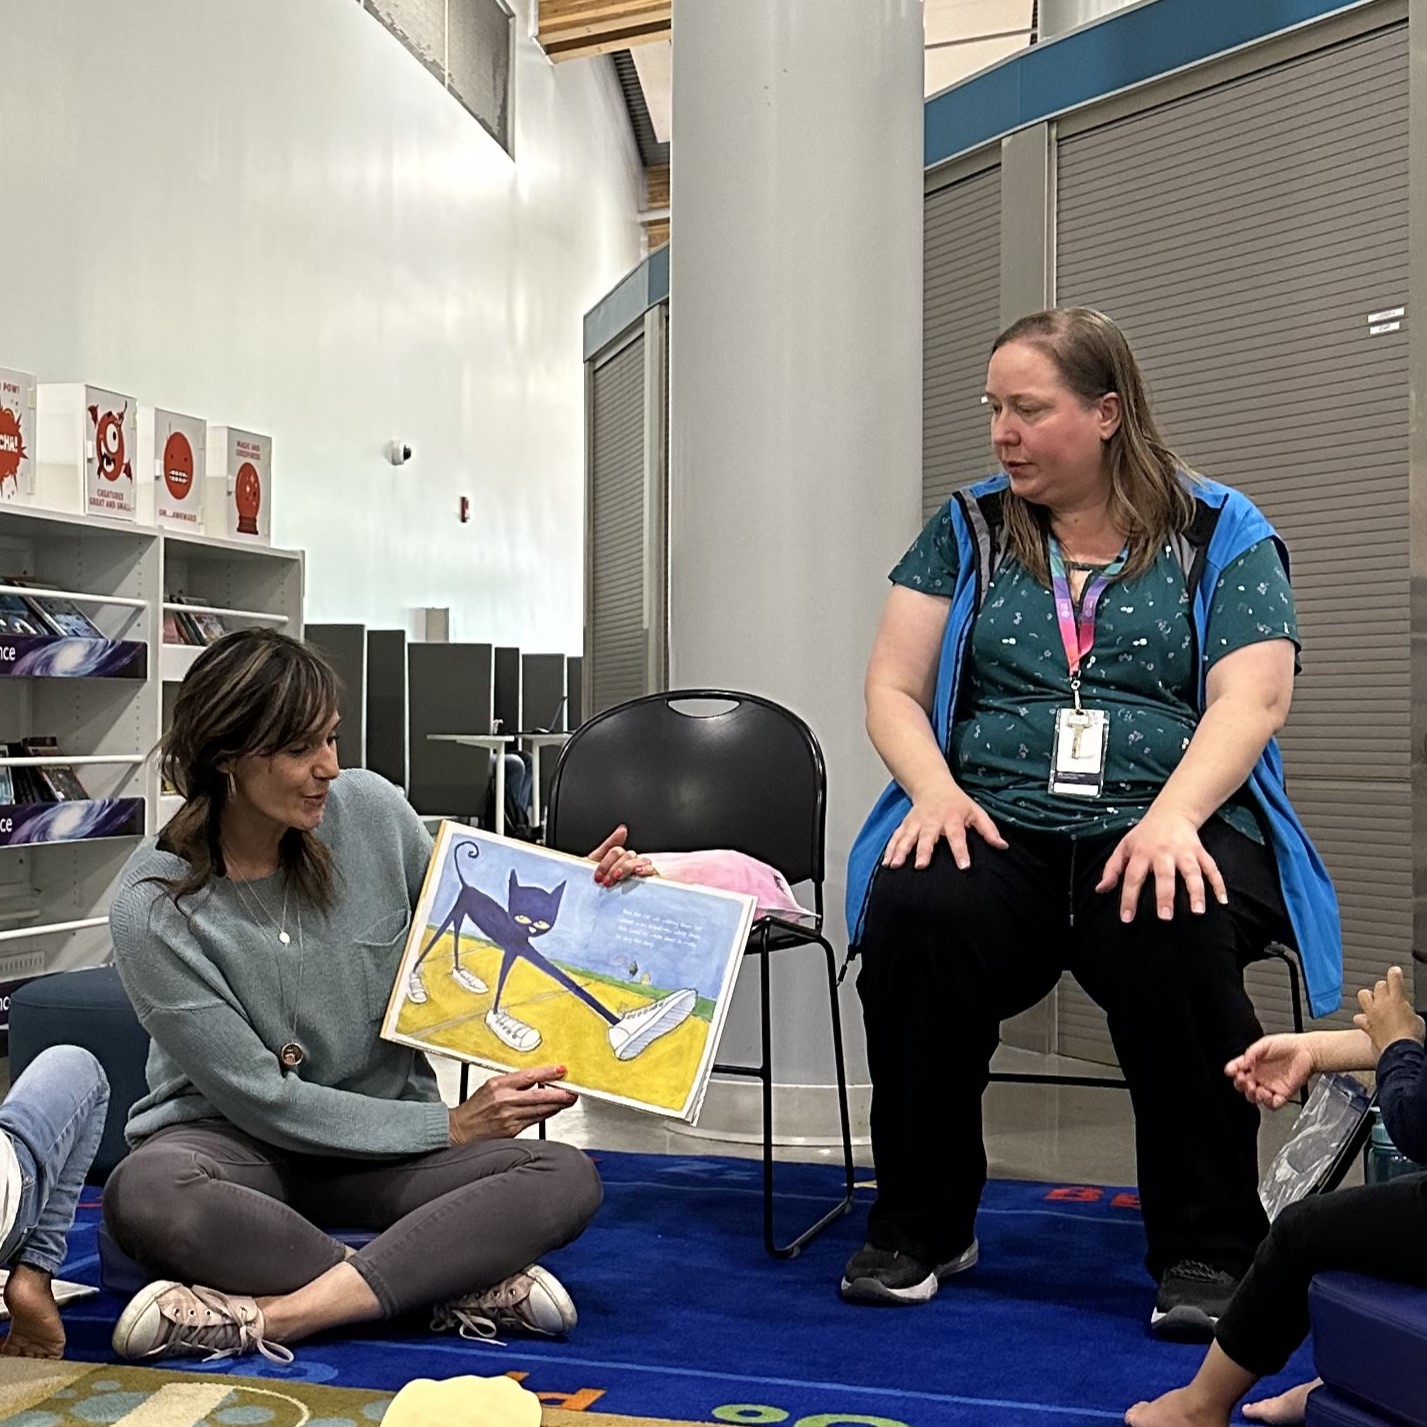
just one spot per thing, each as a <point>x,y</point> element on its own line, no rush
<point>1141,672</point>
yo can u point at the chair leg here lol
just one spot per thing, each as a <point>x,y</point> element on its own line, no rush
<point>1295,992</point>
<point>844,1205</point>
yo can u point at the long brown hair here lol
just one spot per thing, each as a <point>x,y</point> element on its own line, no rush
<point>253,691</point>
<point>1150,487</point>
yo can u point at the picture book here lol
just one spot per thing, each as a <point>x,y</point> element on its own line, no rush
<point>25,784</point>
<point>517,957</point>
<point>206,626</point>
<point>66,618</point>
<point>58,780</point>
<point>17,616</point>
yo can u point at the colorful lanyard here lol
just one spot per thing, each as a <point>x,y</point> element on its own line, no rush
<point>1078,635</point>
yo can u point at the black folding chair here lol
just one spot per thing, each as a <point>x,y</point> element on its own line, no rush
<point>696,769</point>
<point>1274,951</point>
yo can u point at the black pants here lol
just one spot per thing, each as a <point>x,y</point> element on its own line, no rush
<point>948,955</point>
<point>205,1203</point>
<point>1379,1229</point>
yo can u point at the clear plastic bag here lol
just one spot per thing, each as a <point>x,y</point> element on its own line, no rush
<point>1331,1128</point>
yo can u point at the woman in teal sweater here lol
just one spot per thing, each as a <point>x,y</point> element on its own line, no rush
<point>258,940</point>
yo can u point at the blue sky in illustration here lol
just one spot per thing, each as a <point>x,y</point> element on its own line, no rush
<point>680,938</point>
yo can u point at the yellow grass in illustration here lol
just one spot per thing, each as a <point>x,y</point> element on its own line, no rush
<point>571,1033</point>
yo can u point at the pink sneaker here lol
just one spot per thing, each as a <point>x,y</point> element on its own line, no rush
<point>167,1320</point>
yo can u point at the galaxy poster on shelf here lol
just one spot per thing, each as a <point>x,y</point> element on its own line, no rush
<point>29,823</point>
<point>39,657</point>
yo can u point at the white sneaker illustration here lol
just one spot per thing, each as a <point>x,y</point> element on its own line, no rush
<point>516,1034</point>
<point>641,1027</point>
<point>415,991</point>
<point>471,982</point>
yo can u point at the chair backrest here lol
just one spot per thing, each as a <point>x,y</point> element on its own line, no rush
<point>692,769</point>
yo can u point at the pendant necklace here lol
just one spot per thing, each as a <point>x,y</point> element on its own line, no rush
<point>292,1054</point>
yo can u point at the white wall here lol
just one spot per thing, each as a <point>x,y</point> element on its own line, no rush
<point>269,214</point>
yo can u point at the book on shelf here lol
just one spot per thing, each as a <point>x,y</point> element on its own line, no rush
<point>56,615</point>
<point>25,787</point>
<point>172,633</point>
<point>66,617</point>
<point>59,781</point>
<point>17,616</point>
<point>197,626</point>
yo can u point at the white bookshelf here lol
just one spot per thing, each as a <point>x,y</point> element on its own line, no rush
<point>55,892</point>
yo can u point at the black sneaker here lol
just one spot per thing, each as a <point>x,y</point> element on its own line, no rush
<point>876,1275</point>
<point>1192,1298</point>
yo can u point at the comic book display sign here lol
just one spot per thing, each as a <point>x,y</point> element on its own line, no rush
<point>110,448</point>
<point>173,451</point>
<point>238,503</point>
<point>87,447</point>
<point>516,957</point>
<point>17,435</point>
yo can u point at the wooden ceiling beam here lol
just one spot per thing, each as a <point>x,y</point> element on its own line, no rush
<point>604,12</point>
<point>625,40</point>
<point>571,29</point>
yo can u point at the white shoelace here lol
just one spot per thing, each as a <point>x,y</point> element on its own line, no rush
<point>212,1334</point>
<point>475,1327</point>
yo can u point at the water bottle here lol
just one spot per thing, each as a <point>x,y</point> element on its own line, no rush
<point>1382,1160</point>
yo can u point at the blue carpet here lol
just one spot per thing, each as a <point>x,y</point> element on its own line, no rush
<point>682,1315</point>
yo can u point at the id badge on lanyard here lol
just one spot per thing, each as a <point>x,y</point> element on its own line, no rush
<point>1077,764</point>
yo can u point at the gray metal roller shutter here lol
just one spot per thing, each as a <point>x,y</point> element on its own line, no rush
<point>618,638</point>
<point>1242,237</point>
<point>961,316</point>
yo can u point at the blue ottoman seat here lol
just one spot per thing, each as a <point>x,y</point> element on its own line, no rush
<point>89,1009</point>
<point>1370,1348</point>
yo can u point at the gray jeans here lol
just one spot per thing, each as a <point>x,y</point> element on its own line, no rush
<point>205,1203</point>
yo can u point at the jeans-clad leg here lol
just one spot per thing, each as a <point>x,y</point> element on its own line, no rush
<point>54,1115</point>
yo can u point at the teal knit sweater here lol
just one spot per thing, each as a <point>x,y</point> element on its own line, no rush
<point>220,995</point>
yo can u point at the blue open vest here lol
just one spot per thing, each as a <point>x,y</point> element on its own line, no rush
<point>1225,525</point>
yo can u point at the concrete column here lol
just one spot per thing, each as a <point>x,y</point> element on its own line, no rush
<point>795,410</point>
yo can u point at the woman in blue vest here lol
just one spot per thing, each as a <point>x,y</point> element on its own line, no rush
<point>1076,684</point>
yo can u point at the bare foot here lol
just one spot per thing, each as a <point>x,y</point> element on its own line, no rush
<point>1180,1408</point>
<point>1286,1409</point>
<point>35,1327</point>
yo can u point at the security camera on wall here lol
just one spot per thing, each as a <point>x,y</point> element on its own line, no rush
<point>398,453</point>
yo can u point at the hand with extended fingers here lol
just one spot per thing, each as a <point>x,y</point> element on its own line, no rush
<point>614,861</point>
<point>507,1104</point>
<point>1272,1070</point>
<point>1387,1014</point>
<point>946,813</point>
<point>1164,846</point>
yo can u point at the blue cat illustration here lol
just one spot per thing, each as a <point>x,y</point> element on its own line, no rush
<point>531,912</point>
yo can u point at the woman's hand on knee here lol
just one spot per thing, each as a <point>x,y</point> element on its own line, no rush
<point>1272,1070</point>
<point>507,1104</point>
<point>947,813</point>
<point>1164,846</point>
